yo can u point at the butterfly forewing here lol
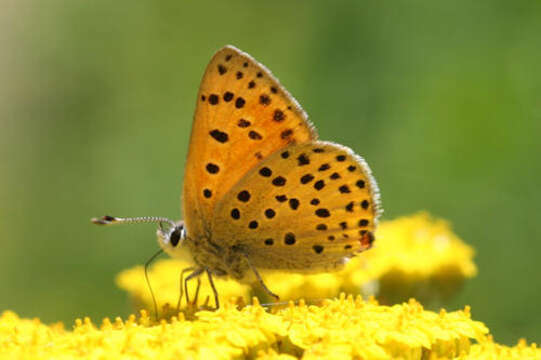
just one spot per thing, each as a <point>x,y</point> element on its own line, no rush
<point>307,207</point>
<point>242,116</point>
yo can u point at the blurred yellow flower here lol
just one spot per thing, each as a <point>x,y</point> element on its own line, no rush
<point>487,349</point>
<point>165,280</point>
<point>342,328</point>
<point>414,256</point>
<point>417,256</point>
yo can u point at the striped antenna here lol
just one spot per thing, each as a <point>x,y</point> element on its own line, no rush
<point>111,220</point>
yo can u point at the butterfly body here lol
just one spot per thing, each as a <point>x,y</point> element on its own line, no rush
<point>216,257</point>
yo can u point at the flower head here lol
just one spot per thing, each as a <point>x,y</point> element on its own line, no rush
<point>344,327</point>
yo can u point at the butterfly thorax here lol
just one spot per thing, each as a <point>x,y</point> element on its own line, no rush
<point>220,260</point>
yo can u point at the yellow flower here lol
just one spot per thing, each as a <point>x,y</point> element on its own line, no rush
<point>414,256</point>
<point>417,256</point>
<point>271,354</point>
<point>343,328</point>
<point>367,330</point>
<point>224,334</point>
<point>487,349</point>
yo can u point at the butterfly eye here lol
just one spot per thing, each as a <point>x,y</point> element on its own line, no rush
<point>174,238</point>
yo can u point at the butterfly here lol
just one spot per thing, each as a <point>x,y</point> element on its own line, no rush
<point>260,190</point>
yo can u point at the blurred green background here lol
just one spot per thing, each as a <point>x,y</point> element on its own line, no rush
<point>96,103</point>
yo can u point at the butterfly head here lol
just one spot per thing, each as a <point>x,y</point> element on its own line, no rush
<point>171,239</point>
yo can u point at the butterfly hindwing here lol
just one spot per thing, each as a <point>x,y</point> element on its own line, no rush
<point>242,116</point>
<point>307,207</point>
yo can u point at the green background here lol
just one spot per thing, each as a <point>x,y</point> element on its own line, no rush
<point>96,102</point>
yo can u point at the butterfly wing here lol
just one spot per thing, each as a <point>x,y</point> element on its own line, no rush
<point>307,207</point>
<point>243,115</point>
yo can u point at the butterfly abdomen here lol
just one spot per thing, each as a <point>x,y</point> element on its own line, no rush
<point>219,259</point>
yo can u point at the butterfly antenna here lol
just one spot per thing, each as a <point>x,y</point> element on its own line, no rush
<point>111,220</point>
<point>147,264</point>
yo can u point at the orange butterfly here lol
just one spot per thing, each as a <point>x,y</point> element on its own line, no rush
<point>260,191</point>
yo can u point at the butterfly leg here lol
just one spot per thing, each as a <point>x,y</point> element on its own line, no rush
<point>194,274</point>
<point>191,268</point>
<point>211,281</point>
<point>260,279</point>
<point>196,296</point>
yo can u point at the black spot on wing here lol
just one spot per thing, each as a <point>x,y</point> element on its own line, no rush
<point>244,196</point>
<point>219,136</point>
<point>212,168</point>
<point>239,103</point>
<point>213,99</point>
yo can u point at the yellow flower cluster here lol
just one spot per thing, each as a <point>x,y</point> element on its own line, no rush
<point>343,328</point>
<point>419,257</point>
<point>487,349</point>
<point>414,256</point>
<point>165,281</point>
